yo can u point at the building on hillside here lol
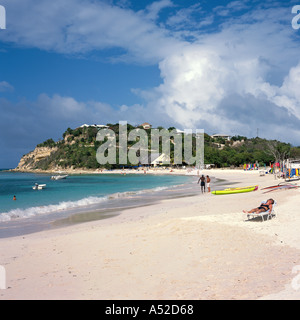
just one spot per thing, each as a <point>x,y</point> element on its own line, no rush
<point>99,126</point>
<point>146,125</point>
<point>156,159</point>
<point>223,136</point>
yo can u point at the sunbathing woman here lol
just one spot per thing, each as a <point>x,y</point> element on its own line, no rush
<point>264,207</point>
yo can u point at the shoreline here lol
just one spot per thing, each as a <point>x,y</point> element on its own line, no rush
<point>107,207</point>
<point>90,207</point>
<point>151,170</point>
<point>196,247</point>
<point>103,171</point>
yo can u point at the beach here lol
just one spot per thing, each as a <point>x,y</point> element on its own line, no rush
<point>197,247</point>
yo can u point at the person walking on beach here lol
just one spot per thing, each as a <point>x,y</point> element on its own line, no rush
<point>208,183</point>
<point>202,183</point>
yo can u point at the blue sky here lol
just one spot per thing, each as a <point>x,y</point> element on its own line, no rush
<point>222,66</point>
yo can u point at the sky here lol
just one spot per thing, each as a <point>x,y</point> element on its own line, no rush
<point>230,67</point>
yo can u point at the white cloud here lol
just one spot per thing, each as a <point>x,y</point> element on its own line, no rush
<point>288,95</point>
<point>6,87</point>
<point>188,19</point>
<point>231,7</point>
<point>63,108</point>
<point>252,57</point>
<point>153,9</point>
<point>193,81</point>
<point>75,26</point>
<point>67,109</point>
<point>245,61</point>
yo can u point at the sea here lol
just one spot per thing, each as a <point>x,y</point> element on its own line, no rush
<point>79,198</point>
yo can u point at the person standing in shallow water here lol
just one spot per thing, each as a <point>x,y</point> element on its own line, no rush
<point>202,183</point>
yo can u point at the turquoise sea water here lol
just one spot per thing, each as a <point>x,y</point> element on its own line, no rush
<point>77,192</point>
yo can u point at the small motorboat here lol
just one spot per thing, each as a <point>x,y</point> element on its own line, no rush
<point>59,177</point>
<point>39,186</point>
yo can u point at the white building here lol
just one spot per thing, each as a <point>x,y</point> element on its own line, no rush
<point>223,136</point>
<point>146,125</point>
<point>156,159</point>
<point>99,126</point>
<point>292,164</point>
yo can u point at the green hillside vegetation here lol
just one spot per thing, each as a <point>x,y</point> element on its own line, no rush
<point>78,149</point>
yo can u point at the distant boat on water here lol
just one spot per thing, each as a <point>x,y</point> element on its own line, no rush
<point>39,186</point>
<point>59,177</point>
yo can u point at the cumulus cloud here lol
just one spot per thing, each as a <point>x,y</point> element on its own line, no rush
<point>26,123</point>
<point>75,26</point>
<point>242,76</point>
<point>246,61</point>
<point>288,95</point>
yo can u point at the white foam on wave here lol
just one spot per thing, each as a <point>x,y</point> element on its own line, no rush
<point>34,211</point>
<point>67,205</point>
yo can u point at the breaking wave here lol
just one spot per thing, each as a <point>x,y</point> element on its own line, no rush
<point>69,205</point>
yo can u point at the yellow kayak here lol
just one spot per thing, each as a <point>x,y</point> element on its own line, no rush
<point>240,188</point>
<point>235,190</point>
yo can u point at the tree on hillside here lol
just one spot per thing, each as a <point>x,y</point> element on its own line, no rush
<point>279,150</point>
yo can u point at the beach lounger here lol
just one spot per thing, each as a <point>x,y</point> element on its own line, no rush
<point>268,213</point>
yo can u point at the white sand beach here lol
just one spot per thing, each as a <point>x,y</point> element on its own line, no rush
<point>197,247</point>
